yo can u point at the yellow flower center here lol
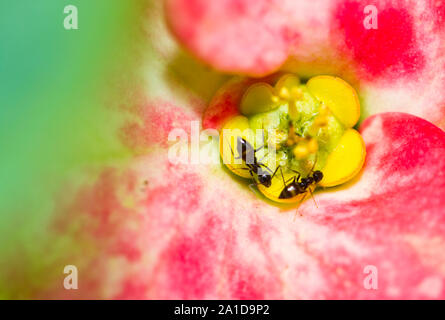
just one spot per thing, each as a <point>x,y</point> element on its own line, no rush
<point>292,137</point>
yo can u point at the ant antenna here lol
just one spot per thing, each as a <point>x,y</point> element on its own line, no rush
<point>263,165</point>
<point>315,162</point>
<point>299,175</point>
<point>279,166</point>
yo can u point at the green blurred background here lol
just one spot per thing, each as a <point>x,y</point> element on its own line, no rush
<point>60,91</point>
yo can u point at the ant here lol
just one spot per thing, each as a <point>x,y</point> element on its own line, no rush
<point>300,187</point>
<point>247,153</point>
<point>297,187</point>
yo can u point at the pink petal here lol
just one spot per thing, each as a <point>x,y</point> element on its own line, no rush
<point>225,104</point>
<point>397,67</point>
<point>198,233</point>
<point>240,36</point>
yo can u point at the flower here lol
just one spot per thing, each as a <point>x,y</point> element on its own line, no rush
<point>304,129</point>
<point>396,66</point>
<point>194,232</point>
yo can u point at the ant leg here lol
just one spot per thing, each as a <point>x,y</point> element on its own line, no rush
<point>252,188</point>
<point>262,129</point>
<point>299,175</point>
<point>255,184</point>
<point>255,190</point>
<point>312,195</point>
<point>275,171</point>
<point>263,157</point>
<point>294,178</point>
<point>259,148</point>
<point>291,178</point>
<point>239,156</point>
<point>250,170</point>
<point>264,166</point>
<point>282,176</point>
<point>231,150</point>
<point>299,204</point>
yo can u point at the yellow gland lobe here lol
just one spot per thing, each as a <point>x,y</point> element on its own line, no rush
<point>305,127</point>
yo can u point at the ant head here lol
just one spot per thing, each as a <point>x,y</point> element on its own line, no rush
<point>318,175</point>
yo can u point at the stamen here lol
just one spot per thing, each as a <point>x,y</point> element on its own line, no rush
<point>296,93</point>
<point>284,93</point>
<point>312,145</point>
<point>301,151</point>
<point>293,112</point>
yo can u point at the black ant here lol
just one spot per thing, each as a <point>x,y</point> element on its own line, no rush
<point>297,187</point>
<point>247,153</point>
<point>300,187</point>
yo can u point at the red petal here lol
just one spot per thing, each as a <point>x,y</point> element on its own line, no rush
<point>225,103</point>
<point>391,48</point>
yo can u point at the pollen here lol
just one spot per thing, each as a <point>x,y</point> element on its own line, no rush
<point>284,93</point>
<point>312,145</point>
<point>296,93</point>
<point>293,111</point>
<point>301,151</point>
<point>293,138</point>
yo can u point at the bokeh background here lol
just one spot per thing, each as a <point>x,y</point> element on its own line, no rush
<point>67,100</point>
<point>62,94</point>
